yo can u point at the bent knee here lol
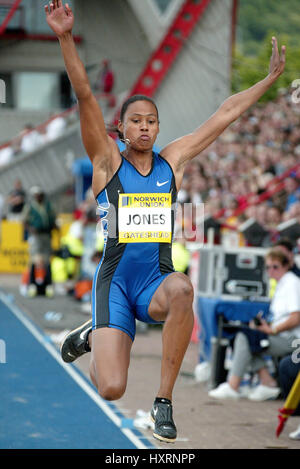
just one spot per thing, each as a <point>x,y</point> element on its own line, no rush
<point>111,391</point>
<point>181,287</point>
<point>241,341</point>
<point>109,388</point>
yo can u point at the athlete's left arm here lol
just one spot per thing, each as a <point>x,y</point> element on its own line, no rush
<point>180,151</point>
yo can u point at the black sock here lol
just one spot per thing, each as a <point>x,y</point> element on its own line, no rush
<point>162,400</point>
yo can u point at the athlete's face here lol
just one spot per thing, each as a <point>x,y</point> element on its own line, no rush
<point>140,125</point>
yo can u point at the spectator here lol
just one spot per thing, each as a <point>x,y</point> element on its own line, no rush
<point>105,84</point>
<point>30,139</point>
<point>39,220</point>
<point>55,128</point>
<point>293,212</point>
<point>275,339</point>
<point>6,155</point>
<point>292,188</point>
<point>287,247</point>
<point>16,201</point>
<point>274,217</point>
<point>261,214</point>
<point>106,79</point>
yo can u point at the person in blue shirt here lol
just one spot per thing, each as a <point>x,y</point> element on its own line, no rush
<point>136,192</point>
<point>292,188</point>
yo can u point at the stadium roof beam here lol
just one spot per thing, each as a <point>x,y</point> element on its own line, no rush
<point>14,7</point>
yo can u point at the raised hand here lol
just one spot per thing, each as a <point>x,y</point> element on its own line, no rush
<point>277,62</point>
<point>60,18</point>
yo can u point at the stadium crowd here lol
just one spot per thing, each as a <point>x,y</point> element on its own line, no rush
<point>236,171</point>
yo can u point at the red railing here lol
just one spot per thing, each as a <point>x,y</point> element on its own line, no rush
<point>12,10</point>
<point>163,57</point>
<point>65,113</point>
<point>12,7</point>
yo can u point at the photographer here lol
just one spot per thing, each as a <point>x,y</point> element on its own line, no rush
<point>273,339</point>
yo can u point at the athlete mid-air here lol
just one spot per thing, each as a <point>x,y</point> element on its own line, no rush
<point>135,191</point>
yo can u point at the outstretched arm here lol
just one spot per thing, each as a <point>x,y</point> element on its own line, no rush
<point>95,139</point>
<point>179,152</point>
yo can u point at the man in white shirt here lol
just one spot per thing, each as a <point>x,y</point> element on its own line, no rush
<point>285,302</point>
<point>278,337</point>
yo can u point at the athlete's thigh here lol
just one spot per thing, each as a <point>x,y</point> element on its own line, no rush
<point>279,346</point>
<point>111,306</point>
<point>174,284</point>
<point>110,354</point>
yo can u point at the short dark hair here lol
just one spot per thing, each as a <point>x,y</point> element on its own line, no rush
<point>132,99</point>
<point>286,242</point>
<point>277,255</point>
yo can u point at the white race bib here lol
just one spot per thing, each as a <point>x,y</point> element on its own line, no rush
<point>145,218</point>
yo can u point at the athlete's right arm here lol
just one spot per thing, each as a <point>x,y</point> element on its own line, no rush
<point>99,146</point>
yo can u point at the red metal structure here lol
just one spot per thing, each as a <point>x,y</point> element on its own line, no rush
<point>163,57</point>
<point>10,7</point>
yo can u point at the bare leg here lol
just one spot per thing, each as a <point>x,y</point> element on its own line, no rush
<point>242,358</point>
<point>234,382</point>
<point>110,359</point>
<point>172,302</point>
<point>265,378</point>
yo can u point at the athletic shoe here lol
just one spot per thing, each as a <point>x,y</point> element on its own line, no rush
<point>224,391</point>
<point>264,393</point>
<point>244,391</point>
<point>76,343</point>
<point>164,426</point>
<point>295,435</point>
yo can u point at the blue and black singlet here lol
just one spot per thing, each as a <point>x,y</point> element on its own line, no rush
<point>137,215</point>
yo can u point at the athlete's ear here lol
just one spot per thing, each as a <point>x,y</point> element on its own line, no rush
<point>120,127</point>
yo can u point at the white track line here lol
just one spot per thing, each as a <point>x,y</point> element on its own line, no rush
<point>72,372</point>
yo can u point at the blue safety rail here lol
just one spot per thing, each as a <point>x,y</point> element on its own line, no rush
<point>47,404</point>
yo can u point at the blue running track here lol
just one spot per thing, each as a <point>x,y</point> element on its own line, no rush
<point>47,404</point>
